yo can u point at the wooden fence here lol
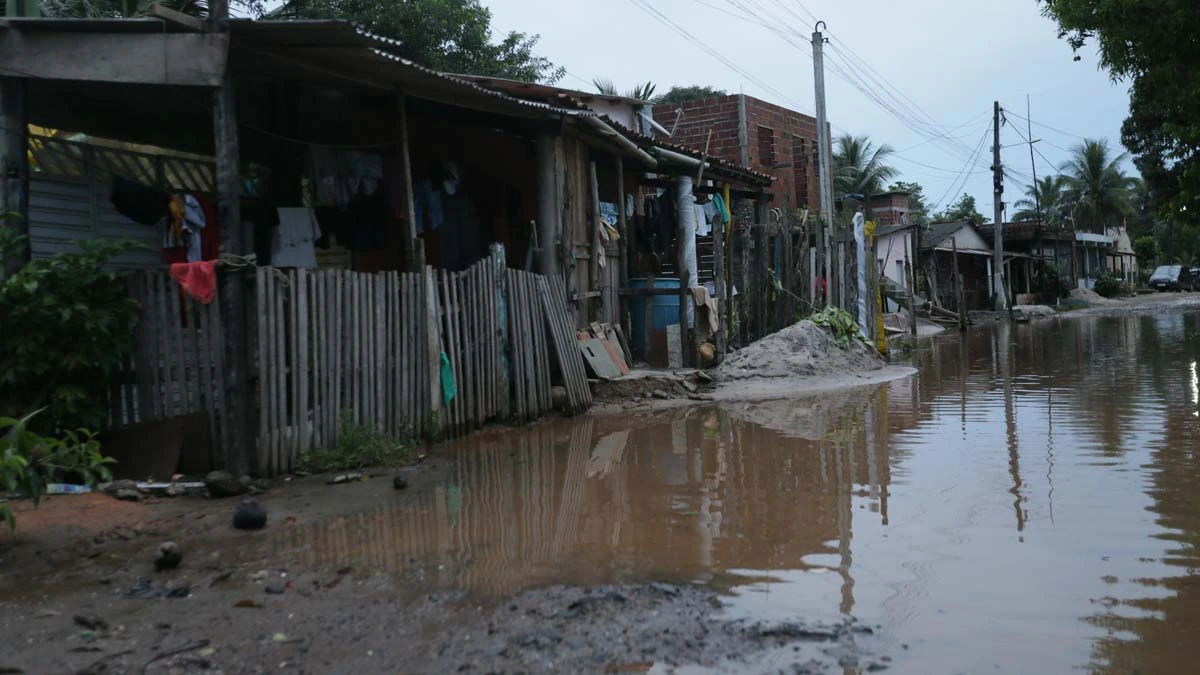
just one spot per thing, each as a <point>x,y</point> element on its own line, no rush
<point>334,343</point>
<point>370,346</point>
<point>178,360</point>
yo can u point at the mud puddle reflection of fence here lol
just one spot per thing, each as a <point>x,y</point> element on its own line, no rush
<point>683,497</point>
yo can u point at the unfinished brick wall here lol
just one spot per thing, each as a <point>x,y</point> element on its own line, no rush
<point>780,142</point>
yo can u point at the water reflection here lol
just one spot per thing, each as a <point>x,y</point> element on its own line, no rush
<point>1026,503</point>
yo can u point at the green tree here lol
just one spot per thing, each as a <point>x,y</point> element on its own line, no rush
<point>1152,45</point>
<point>1047,196</point>
<point>860,167</point>
<point>448,35</point>
<point>684,94</point>
<point>1146,250</point>
<point>1097,188</point>
<point>963,209</point>
<point>918,208</point>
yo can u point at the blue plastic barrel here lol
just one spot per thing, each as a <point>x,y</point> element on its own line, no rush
<point>665,311</point>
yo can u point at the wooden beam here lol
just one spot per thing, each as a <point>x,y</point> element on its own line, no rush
<point>185,59</point>
<point>413,264</point>
<point>177,18</point>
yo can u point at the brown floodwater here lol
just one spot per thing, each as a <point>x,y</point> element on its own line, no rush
<point>1028,502</point>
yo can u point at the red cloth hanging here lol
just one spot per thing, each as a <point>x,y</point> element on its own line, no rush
<point>198,279</point>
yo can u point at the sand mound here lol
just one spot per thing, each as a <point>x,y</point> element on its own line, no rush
<point>802,349</point>
<point>1092,297</point>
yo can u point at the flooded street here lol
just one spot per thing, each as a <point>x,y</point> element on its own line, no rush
<point>1026,503</point>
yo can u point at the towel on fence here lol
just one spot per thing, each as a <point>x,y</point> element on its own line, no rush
<point>198,279</point>
<point>449,388</point>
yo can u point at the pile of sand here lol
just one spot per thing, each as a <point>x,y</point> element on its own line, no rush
<point>803,349</point>
<point>1092,297</point>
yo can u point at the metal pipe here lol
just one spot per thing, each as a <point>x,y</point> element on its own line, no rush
<point>605,130</point>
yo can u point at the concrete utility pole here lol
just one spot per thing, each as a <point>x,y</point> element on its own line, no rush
<point>998,211</point>
<point>825,164</point>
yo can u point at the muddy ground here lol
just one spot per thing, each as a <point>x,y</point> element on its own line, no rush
<point>79,594</point>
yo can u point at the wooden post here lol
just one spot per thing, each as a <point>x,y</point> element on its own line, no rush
<point>232,284</point>
<point>958,290</point>
<point>412,261</point>
<point>596,252</point>
<point>718,233</point>
<point>910,279</point>
<point>685,280</point>
<point>14,168</point>
<point>548,211</point>
<point>623,247</point>
<point>760,258</point>
<point>433,355</point>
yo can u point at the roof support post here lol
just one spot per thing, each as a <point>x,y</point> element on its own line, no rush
<point>239,437</point>
<point>549,209</point>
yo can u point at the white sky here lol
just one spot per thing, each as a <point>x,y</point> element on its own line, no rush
<point>952,58</point>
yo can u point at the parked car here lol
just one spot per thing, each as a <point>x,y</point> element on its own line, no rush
<point>1172,278</point>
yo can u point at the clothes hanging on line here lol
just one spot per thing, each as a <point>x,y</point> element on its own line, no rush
<point>294,238</point>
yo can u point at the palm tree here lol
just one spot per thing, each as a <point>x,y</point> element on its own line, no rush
<point>1096,185</point>
<point>1044,199</point>
<point>859,167</point>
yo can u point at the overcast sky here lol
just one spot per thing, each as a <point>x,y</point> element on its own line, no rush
<point>952,59</point>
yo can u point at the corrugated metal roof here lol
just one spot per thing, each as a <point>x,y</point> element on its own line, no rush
<point>648,142</point>
<point>334,33</point>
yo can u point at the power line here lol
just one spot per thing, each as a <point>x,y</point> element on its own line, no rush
<point>663,18</point>
<point>1053,168</point>
<point>963,175</point>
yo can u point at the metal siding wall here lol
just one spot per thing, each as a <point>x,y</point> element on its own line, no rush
<point>62,213</point>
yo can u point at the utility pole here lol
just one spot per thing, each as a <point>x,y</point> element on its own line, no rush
<point>825,164</point>
<point>998,211</point>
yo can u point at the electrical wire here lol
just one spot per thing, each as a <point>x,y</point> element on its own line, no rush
<point>962,179</point>
<point>645,6</point>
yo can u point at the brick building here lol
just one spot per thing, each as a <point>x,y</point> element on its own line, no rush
<point>889,208</point>
<point>777,141</point>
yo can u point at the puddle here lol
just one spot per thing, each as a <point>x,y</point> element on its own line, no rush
<point>1026,503</point>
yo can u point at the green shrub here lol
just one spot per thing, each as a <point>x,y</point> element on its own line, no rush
<point>359,446</point>
<point>67,325</point>
<point>28,461</point>
<point>841,324</point>
<point>1109,286</point>
<point>1048,286</point>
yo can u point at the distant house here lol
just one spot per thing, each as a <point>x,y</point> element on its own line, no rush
<point>1122,261</point>
<point>935,261</point>
<point>1079,257</point>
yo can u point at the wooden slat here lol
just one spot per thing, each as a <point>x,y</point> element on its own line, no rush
<point>541,350</point>
<point>565,344</point>
<point>340,352</point>
<point>380,369</point>
<point>515,343</point>
<point>529,316</point>
<point>216,347</point>
<point>260,276</point>
<point>281,373</point>
<point>303,363</point>
<point>267,353</point>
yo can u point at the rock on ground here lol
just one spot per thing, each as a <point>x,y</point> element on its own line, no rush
<point>1033,311</point>
<point>802,349</point>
